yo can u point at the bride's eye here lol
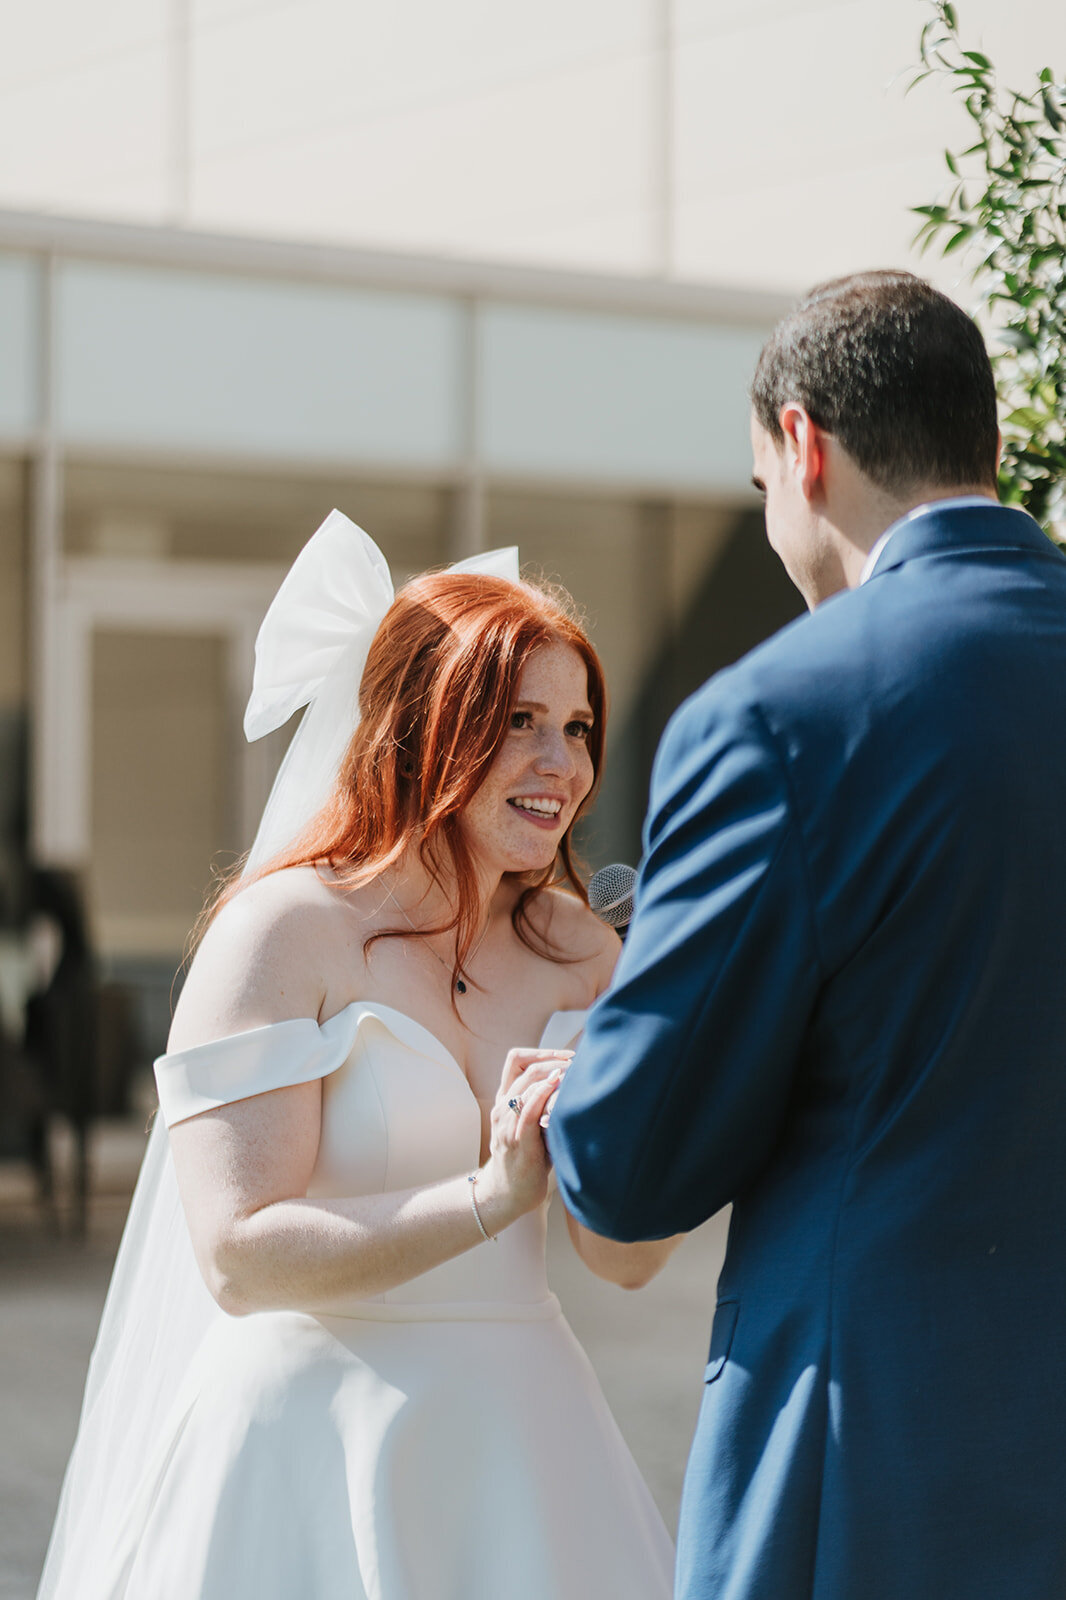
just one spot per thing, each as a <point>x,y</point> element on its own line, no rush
<point>579,730</point>
<point>521,719</point>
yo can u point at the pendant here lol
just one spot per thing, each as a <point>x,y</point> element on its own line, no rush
<point>460,985</point>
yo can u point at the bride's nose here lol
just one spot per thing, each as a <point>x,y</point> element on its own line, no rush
<point>554,756</point>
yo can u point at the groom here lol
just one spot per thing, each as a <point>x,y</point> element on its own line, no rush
<point>842,1003</point>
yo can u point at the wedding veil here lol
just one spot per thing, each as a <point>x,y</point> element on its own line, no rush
<point>310,652</point>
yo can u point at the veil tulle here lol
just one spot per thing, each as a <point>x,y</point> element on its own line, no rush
<point>310,652</point>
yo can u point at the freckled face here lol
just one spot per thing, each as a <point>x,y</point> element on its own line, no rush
<point>542,769</point>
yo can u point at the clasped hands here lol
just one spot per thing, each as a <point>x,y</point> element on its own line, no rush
<point>515,1177</point>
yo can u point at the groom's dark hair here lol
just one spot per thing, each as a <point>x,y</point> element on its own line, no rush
<point>895,371</point>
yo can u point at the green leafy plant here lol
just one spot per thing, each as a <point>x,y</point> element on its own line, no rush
<point>1007,208</point>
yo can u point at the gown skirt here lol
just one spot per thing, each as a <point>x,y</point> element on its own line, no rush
<point>447,1440</point>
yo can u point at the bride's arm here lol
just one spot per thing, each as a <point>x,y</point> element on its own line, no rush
<point>262,1244</point>
<point>243,1168</point>
<point>631,1266</point>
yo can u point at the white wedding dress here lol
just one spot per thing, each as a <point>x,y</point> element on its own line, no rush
<point>446,1440</point>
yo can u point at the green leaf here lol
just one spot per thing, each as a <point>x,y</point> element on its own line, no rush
<point>1012,208</point>
<point>1052,112</point>
<point>958,238</point>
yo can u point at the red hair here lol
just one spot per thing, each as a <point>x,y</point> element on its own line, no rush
<point>435,701</point>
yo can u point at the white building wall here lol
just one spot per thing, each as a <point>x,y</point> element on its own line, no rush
<point>766,144</point>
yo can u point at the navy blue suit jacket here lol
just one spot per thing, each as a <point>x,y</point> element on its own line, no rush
<point>842,1007</point>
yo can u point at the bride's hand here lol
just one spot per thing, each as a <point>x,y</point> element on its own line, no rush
<point>514,1179</point>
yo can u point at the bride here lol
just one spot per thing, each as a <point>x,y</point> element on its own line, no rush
<point>376,1394</point>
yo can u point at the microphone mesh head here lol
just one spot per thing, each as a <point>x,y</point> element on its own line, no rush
<point>611,894</point>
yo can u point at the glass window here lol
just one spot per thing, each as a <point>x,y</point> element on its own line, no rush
<point>162,785</point>
<point>612,555</point>
<point>166,753</point>
<point>672,591</point>
<point>197,514</point>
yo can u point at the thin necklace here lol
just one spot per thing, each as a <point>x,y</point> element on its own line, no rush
<point>460,986</point>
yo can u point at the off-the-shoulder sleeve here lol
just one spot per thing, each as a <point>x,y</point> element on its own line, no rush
<point>243,1064</point>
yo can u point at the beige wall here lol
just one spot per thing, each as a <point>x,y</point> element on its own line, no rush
<point>768,143</point>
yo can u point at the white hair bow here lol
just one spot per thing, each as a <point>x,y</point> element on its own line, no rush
<point>311,651</point>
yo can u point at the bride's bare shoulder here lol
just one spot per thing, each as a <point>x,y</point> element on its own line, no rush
<point>587,944</point>
<point>263,959</point>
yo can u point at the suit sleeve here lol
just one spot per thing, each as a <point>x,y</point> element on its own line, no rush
<point>681,1084</point>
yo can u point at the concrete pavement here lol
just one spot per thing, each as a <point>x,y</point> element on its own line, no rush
<point>648,1348</point>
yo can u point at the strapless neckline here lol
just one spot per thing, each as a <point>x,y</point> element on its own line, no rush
<point>419,1029</point>
<point>300,1049</point>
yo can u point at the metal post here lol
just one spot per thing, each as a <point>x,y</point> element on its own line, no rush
<point>44,562</point>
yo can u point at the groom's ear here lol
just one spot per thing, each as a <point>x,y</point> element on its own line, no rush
<point>804,448</point>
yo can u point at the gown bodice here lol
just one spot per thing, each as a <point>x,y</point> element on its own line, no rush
<point>397,1113</point>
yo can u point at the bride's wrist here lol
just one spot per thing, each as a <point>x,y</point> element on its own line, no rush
<point>493,1202</point>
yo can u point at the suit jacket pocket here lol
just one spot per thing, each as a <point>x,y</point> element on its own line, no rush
<point>722,1331</point>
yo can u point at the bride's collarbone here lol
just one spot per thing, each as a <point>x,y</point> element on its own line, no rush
<point>477,1032</point>
<point>503,1006</point>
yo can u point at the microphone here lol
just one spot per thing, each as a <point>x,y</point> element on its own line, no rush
<point>611,894</point>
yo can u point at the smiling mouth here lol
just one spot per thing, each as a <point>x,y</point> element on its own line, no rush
<point>545,813</point>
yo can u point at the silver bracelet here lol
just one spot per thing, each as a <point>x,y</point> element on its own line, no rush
<point>472,1180</point>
